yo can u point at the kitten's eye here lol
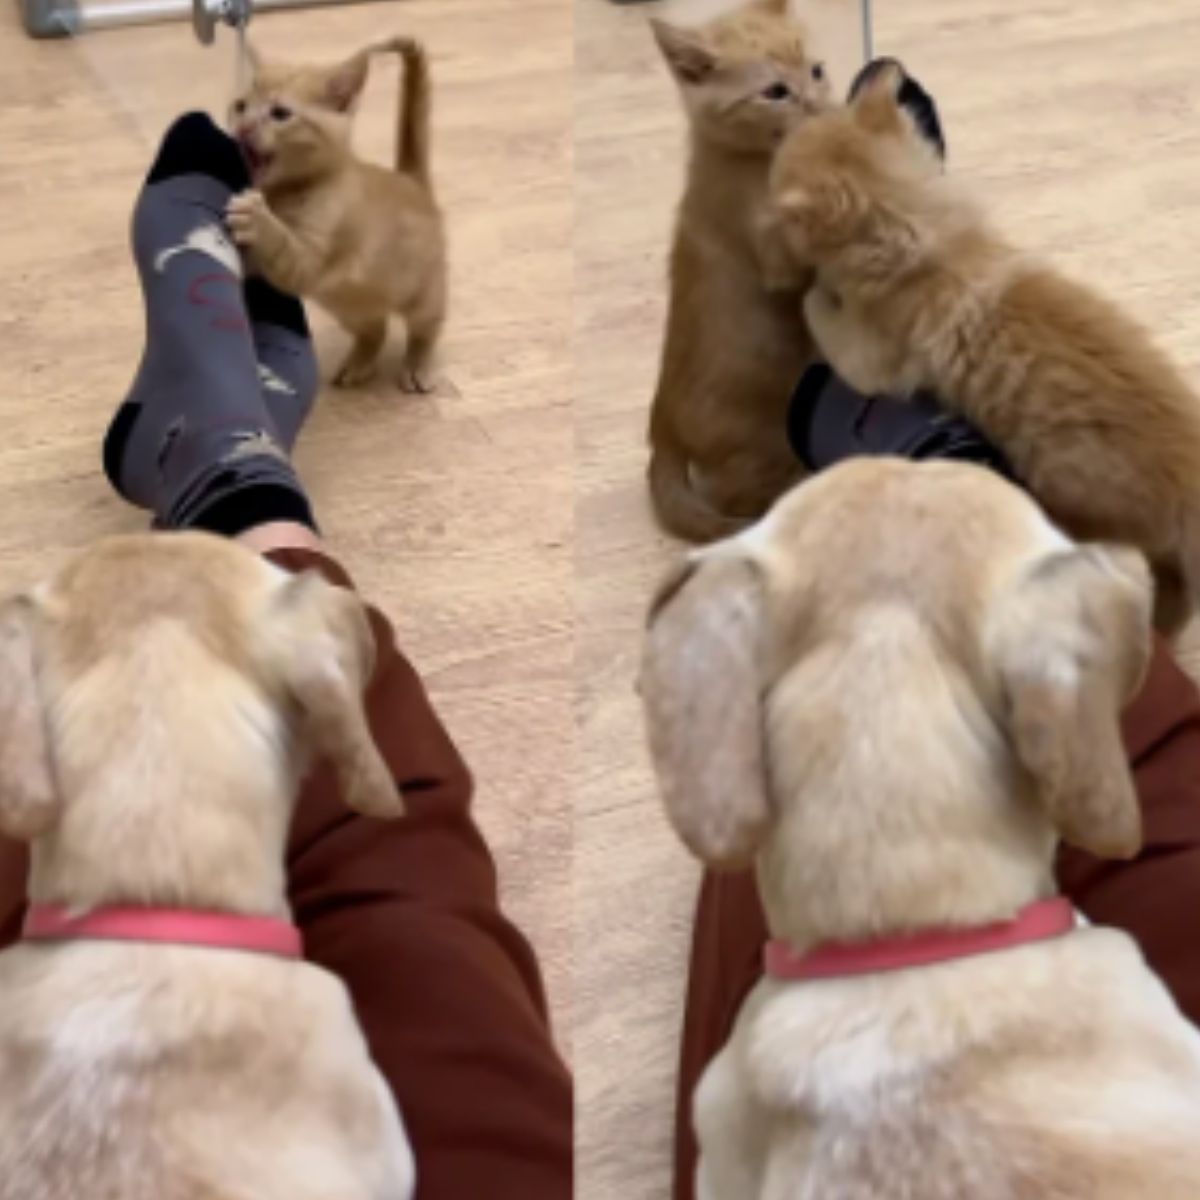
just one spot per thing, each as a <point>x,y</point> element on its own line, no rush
<point>280,112</point>
<point>818,71</point>
<point>777,91</point>
<point>239,107</point>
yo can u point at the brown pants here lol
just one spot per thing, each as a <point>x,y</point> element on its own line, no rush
<point>1155,897</point>
<point>406,913</point>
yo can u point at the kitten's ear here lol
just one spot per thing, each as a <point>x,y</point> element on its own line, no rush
<point>876,102</point>
<point>796,202</point>
<point>684,51</point>
<point>345,82</point>
<point>818,212</point>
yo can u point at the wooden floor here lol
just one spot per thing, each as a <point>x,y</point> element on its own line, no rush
<point>503,522</point>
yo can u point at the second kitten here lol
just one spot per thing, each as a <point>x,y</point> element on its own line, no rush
<point>361,240</point>
<point>914,291</point>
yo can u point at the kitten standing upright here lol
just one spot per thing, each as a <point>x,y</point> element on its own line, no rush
<point>733,349</point>
<point>363,241</point>
<point>914,291</point>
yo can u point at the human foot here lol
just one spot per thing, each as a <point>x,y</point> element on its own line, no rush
<point>194,442</point>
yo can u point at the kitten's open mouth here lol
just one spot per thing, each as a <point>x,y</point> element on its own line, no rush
<point>256,160</point>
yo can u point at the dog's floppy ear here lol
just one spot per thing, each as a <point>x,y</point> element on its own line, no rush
<point>700,684</point>
<point>684,52</point>
<point>29,799</point>
<point>325,656</point>
<point>1073,645</point>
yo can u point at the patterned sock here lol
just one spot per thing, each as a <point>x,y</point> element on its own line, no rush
<point>195,442</point>
<point>287,366</point>
<point>829,421</point>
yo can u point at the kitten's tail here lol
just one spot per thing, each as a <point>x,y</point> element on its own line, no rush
<point>412,122</point>
<point>679,508</point>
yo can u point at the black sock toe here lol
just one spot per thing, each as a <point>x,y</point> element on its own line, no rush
<point>195,146</point>
<point>913,97</point>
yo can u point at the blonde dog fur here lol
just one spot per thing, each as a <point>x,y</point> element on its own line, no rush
<point>157,699</point>
<point>893,695</point>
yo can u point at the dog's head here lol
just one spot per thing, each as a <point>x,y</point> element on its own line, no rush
<point>159,699</point>
<point>894,690</point>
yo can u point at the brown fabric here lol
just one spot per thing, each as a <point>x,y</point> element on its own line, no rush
<point>1154,897</point>
<point>446,988</point>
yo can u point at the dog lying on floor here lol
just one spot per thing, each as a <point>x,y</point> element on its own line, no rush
<point>159,1037</point>
<point>893,694</point>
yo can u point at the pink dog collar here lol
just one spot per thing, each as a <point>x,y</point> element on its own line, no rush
<point>179,926</point>
<point>1037,922</point>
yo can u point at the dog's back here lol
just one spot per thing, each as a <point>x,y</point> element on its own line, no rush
<point>1058,1070</point>
<point>185,1073</point>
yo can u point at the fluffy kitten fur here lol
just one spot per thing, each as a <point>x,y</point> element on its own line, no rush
<point>733,350</point>
<point>363,241</point>
<point>914,290</point>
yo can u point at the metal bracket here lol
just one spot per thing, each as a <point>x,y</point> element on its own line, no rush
<point>207,13</point>
<point>50,18</point>
<point>66,18</point>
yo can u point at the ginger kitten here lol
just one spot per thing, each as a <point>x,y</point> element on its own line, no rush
<point>733,350</point>
<point>363,241</point>
<point>914,291</point>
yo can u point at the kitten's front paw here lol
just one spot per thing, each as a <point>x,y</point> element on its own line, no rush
<point>416,381</point>
<point>354,373</point>
<point>248,218</point>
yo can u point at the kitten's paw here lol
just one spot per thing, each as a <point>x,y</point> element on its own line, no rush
<point>416,381</point>
<point>352,374</point>
<point>247,216</point>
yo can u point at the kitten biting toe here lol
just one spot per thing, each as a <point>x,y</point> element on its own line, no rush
<point>363,241</point>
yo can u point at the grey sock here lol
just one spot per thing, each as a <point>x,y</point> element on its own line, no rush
<point>287,365</point>
<point>195,441</point>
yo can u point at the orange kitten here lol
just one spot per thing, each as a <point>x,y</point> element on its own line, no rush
<point>732,351</point>
<point>363,241</point>
<point>913,290</point>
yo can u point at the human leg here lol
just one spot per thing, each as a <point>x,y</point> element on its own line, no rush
<point>448,990</point>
